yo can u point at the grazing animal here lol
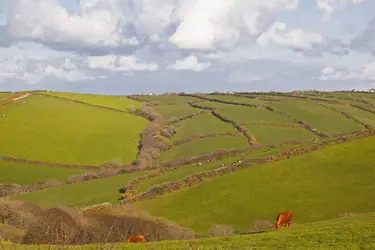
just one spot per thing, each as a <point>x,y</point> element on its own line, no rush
<point>284,218</point>
<point>136,239</point>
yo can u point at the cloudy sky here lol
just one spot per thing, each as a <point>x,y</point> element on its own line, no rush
<point>142,46</point>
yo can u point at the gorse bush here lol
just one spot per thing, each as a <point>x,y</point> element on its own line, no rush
<point>221,230</point>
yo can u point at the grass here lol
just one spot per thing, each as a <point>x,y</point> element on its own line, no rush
<point>316,186</point>
<point>355,232</point>
<point>116,102</point>
<point>80,194</point>
<point>319,117</point>
<point>204,145</point>
<point>25,174</point>
<point>175,175</point>
<point>169,99</point>
<point>49,129</point>
<point>273,134</point>
<point>175,111</point>
<point>236,99</point>
<point>361,115</point>
<point>201,124</point>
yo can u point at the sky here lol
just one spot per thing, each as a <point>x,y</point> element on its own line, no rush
<point>156,46</point>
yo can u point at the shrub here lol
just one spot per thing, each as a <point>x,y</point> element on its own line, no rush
<point>260,226</point>
<point>221,230</point>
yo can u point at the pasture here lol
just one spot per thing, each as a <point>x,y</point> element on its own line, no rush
<point>175,111</point>
<point>273,134</point>
<point>172,99</point>
<point>80,194</point>
<point>364,116</point>
<point>49,129</point>
<point>238,99</point>
<point>201,124</point>
<point>116,102</point>
<point>204,145</point>
<point>316,186</point>
<point>319,117</point>
<point>25,174</point>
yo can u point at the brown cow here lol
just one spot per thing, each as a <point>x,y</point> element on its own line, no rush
<point>284,218</point>
<point>136,239</point>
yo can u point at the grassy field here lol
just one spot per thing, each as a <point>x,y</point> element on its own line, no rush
<point>81,194</point>
<point>175,111</point>
<point>319,117</point>
<point>316,186</point>
<point>207,124</point>
<point>273,134</point>
<point>204,145</point>
<point>24,174</point>
<point>49,129</point>
<point>117,102</point>
<point>355,232</point>
<point>361,115</point>
<point>169,99</point>
<point>236,99</point>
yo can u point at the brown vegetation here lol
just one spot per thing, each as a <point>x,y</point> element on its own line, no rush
<point>28,224</point>
<point>221,231</point>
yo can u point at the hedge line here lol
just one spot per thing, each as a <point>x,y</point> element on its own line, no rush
<point>200,136</point>
<point>363,108</point>
<point>308,127</point>
<point>250,137</point>
<point>176,120</point>
<point>196,105</point>
<point>184,161</point>
<point>198,178</point>
<point>49,164</point>
<point>350,117</point>
<point>222,101</point>
<point>286,125</point>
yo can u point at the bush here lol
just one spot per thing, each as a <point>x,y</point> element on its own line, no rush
<point>221,230</point>
<point>260,226</point>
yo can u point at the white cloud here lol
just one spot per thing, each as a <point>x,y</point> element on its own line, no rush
<point>296,38</point>
<point>329,6</point>
<point>189,63</point>
<point>366,73</point>
<point>48,21</point>
<point>119,63</point>
<point>212,24</point>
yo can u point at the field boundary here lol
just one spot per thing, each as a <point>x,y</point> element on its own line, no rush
<point>195,179</point>
<point>180,119</point>
<point>349,117</point>
<point>222,101</point>
<point>285,125</point>
<point>250,137</point>
<point>49,164</point>
<point>201,136</point>
<point>92,105</point>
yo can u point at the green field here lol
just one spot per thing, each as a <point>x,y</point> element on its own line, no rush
<point>116,102</point>
<point>175,111</point>
<point>316,186</point>
<point>238,99</point>
<point>364,116</point>
<point>80,194</point>
<point>273,134</point>
<point>319,117</point>
<point>208,124</point>
<point>172,99</point>
<point>50,129</point>
<point>341,233</point>
<point>24,174</point>
<point>204,145</point>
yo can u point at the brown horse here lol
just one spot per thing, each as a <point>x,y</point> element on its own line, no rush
<point>284,218</point>
<point>136,239</point>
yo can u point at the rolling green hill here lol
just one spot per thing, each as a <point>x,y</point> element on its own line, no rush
<point>316,186</point>
<point>49,129</point>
